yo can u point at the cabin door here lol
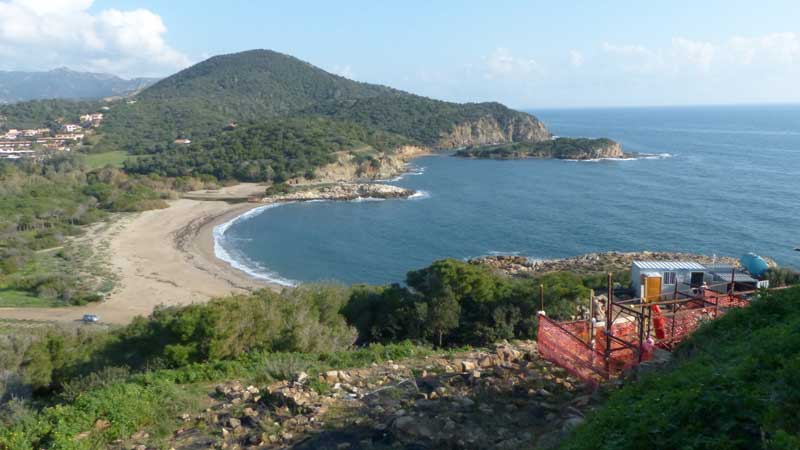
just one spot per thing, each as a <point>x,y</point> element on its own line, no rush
<point>697,279</point>
<point>652,289</point>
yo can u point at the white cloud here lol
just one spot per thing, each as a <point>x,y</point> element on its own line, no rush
<point>575,58</point>
<point>344,71</point>
<point>694,53</point>
<point>781,48</point>
<point>501,63</point>
<point>41,34</point>
<point>635,58</point>
<point>773,50</point>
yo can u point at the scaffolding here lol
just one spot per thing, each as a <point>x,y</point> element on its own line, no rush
<point>597,350</point>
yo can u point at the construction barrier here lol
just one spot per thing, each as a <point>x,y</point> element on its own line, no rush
<point>567,344</point>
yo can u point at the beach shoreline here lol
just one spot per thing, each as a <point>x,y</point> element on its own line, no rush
<point>168,256</point>
<point>160,257</point>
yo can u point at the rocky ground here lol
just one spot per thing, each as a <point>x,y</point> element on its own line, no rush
<point>503,398</point>
<point>592,262</point>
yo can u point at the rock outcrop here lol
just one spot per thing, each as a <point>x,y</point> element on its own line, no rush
<point>492,130</point>
<point>349,166</point>
<point>559,148</point>
<point>341,191</point>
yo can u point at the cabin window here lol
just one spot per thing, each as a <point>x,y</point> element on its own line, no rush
<point>668,277</point>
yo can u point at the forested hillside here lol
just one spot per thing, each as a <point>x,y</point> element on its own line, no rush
<point>422,119</point>
<point>272,151</point>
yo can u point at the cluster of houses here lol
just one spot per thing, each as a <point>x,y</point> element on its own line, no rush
<point>15,144</point>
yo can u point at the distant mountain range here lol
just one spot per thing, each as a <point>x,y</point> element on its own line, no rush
<point>64,83</point>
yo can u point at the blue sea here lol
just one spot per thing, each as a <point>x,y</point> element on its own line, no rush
<point>721,180</point>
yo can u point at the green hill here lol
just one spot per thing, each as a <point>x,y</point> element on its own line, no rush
<point>733,385</point>
<point>258,85</point>
<point>275,150</point>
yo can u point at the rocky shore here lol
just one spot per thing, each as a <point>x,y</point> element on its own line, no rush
<point>504,397</point>
<point>341,191</point>
<point>558,148</point>
<point>592,262</point>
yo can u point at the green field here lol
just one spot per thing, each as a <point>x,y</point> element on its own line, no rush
<point>15,298</point>
<point>113,158</point>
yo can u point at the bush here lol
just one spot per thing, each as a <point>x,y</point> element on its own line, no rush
<point>459,303</point>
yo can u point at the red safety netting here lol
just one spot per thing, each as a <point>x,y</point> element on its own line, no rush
<point>567,344</point>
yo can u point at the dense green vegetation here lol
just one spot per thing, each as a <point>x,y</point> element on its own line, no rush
<point>782,276</point>
<point>732,385</point>
<point>272,151</point>
<point>455,303</point>
<point>200,101</point>
<point>561,148</point>
<point>42,204</point>
<point>419,118</point>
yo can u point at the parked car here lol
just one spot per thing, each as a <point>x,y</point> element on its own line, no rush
<point>90,318</point>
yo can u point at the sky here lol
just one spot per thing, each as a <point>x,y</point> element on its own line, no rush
<point>526,54</point>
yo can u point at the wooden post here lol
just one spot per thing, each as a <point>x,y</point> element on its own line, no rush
<point>609,320</point>
<point>541,296</point>
<point>591,319</point>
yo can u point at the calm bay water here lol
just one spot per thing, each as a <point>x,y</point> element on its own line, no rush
<point>727,182</point>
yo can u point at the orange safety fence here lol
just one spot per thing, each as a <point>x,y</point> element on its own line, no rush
<point>567,344</point>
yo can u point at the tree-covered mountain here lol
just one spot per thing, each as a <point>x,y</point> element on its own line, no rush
<point>16,86</point>
<point>260,84</point>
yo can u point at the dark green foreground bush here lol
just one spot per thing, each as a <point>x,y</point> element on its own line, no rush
<point>735,384</point>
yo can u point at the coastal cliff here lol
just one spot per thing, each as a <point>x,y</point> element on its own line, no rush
<point>560,148</point>
<point>492,130</point>
<point>350,166</point>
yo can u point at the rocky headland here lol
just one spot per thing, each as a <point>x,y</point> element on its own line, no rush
<point>352,166</point>
<point>493,130</point>
<point>559,148</point>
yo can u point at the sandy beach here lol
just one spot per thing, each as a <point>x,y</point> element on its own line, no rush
<point>163,257</point>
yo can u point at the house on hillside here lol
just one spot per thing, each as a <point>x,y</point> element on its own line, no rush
<point>70,127</point>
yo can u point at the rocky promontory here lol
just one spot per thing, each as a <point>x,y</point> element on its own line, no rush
<point>559,148</point>
<point>351,166</point>
<point>340,191</point>
<point>495,129</point>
